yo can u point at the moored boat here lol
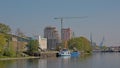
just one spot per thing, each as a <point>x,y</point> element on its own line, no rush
<point>64,52</point>
<point>75,53</point>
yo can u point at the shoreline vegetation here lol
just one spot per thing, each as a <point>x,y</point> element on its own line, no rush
<point>20,46</point>
<point>43,55</point>
<point>31,57</point>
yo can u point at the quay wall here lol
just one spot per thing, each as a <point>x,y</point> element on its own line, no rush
<point>48,54</point>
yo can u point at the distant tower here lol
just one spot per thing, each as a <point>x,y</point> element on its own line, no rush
<point>39,37</point>
<point>91,41</point>
<point>102,42</point>
<point>73,35</point>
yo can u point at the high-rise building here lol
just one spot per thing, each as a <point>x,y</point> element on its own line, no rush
<point>52,37</point>
<point>66,34</point>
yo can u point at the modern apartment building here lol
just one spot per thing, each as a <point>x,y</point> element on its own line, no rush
<point>66,34</point>
<point>52,36</point>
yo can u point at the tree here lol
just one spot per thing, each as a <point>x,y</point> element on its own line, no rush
<point>19,33</point>
<point>4,28</point>
<point>9,51</point>
<point>4,39</point>
<point>33,46</point>
<point>2,44</point>
<point>80,43</point>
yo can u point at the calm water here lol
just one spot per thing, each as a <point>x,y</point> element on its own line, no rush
<point>97,60</point>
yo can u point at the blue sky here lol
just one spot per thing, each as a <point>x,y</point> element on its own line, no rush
<point>32,16</point>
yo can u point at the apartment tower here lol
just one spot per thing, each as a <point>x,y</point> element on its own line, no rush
<point>52,36</point>
<point>66,34</point>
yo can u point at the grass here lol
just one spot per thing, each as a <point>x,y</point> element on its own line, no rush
<point>13,58</point>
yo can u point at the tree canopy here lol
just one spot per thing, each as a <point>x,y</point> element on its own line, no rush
<point>4,28</point>
<point>80,43</point>
<point>2,43</point>
<point>4,40</point>
<point>33,46</point>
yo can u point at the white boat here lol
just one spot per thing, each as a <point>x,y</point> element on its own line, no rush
<point>64,52</point>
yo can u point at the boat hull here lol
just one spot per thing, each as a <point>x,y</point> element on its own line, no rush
<point>64,52</point>
<point>75,53</point>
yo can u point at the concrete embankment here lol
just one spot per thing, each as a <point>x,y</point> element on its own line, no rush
<point>48,54</point>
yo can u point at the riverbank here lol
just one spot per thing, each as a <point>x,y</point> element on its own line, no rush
<point>48,54</point>
<point>43,55</point>
<point>15,58</point>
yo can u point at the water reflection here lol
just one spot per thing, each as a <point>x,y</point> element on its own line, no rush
<point>65,57</point>
<point>42,63</point>
<point>97,60</point>
<point>60,62</point>
<point>85,57</point>
<point>6,64</point>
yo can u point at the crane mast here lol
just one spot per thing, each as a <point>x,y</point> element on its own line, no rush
<point>61,20</point>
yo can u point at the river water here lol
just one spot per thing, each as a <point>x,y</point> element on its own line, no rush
<point>96,60</point>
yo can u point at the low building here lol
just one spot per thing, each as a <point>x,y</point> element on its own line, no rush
<point>19,43</point>
<point>42,43</point>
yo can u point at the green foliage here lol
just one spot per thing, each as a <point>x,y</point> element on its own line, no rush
<point>5,44</point>
<point>9,51</point>
<point>2,40</point>
<point>80,43</point>
<point>2,43</point>
<point>5,48</point>
<point>33,46</point>
<point>103,47</point>
<point>4,28</point>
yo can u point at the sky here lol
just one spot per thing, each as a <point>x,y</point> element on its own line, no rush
<point>32,16</point>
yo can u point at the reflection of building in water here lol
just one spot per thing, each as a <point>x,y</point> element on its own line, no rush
<point>53,63</point>
<point>31,63</point>
<point>58,62</point>
<point>42,63</point>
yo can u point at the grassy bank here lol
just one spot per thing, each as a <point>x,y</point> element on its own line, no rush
<point>46,54</point>
<point>14,58</point>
